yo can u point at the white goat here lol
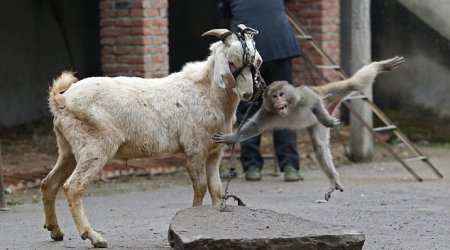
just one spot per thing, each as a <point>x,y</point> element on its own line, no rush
<point>100,118</point>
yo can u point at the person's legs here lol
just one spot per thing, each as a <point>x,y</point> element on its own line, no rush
<point>285,141</point>
<point>251,159</point>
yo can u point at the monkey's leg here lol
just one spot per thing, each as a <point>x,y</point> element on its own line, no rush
<point>320,137</point>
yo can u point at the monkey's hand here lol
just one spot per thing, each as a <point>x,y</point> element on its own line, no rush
<point>228,139</point>
<point>334,185</point>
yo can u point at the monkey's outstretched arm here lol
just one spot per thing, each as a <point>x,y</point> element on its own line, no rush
<point>255,126</point>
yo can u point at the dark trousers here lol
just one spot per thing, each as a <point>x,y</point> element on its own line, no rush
<point>285,140</point>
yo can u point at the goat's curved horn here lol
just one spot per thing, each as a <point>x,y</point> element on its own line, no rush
<point>215,32</point>
<point>222,34</point>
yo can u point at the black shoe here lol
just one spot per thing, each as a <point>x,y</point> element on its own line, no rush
<point>291,174</point>
<point>253,174</point>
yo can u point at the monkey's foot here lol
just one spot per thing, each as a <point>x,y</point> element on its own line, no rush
<point>331,122</point>
<point>390,64</point>
<point>336,186</point>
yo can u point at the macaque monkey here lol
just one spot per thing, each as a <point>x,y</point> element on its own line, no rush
<point>285,106</point>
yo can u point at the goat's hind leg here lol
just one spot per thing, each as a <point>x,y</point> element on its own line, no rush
<point>195,166</point>
<point>90,162</point>
<point>52,183</point>
<point>320,137</point>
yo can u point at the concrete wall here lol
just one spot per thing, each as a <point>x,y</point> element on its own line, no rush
<point>415,96</point>
<point>33,52</point>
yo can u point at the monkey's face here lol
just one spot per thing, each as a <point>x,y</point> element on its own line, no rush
<point>279,101</point>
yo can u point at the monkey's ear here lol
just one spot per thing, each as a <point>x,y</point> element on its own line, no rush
<point>222,73</point>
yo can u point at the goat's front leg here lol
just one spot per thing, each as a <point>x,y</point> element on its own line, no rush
<point>88,166</point>
<point>320,137</point>
<point>195,166</point>
<point>213,176</point>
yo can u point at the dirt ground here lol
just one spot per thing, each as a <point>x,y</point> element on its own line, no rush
<point>380,199</point>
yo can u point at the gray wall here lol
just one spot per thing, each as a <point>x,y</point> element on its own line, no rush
<point>415,96</point>
<point>33,52</point>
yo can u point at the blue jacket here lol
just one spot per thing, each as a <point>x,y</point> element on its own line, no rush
<point>275,39</point>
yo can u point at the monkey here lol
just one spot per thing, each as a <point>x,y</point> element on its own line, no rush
<point>285,106</point>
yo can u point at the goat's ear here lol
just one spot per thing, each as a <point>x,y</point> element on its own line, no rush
<point>222,73</point>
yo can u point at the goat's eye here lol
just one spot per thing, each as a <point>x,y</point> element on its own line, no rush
<point>231,64</point>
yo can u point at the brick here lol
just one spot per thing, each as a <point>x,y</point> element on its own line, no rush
<point>106,13</point>
<point>130,40</point>
<point>130,59</point>
<point>150,13</point>
<point>160,22</point>
<point>106,50</point>
<point>114,32</point>
<point>107,41</point>
<point>105,22</point>
<point>127,50</point>
<point>106,5</point>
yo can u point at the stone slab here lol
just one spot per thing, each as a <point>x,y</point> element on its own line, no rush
<point>206,227</point>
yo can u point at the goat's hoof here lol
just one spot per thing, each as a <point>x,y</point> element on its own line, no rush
<point>57,235</point>
<point>49,227</point>
<point>96,239</point>
<point>101,244</point>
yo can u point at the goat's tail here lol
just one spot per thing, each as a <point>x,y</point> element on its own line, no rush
<point>60,85</point>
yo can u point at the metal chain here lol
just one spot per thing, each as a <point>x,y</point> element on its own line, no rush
<point>260,83</point>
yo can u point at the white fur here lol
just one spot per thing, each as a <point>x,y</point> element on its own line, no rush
<point>99,118</point>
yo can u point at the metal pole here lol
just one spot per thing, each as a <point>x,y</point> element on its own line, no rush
<point>2,187</point>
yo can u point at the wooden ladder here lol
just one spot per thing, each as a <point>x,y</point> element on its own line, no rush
<point>390,126</point>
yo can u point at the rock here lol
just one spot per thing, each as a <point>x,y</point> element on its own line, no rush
<point>206,227</point>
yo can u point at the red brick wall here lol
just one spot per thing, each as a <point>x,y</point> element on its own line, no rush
<point>321,19</point>
<point>134,37</point>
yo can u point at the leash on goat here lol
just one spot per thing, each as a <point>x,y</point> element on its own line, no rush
<point>261,85</point>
